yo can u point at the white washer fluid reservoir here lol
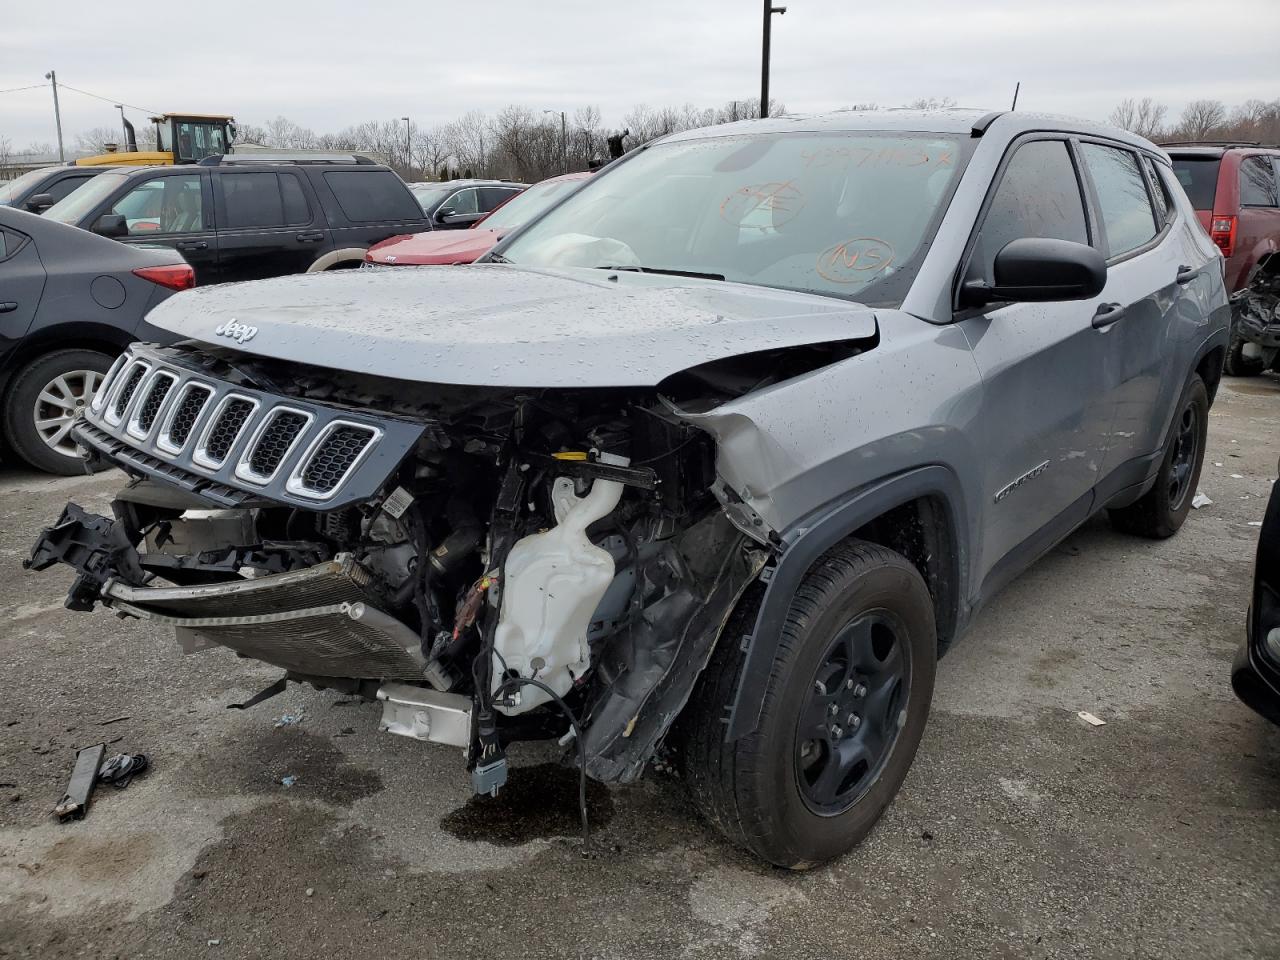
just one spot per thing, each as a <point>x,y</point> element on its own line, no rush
<point>551,585</point>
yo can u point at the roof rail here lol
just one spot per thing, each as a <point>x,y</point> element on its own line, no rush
<point>980,125</point>
<point>234,159</point>
<point>1214,143</point>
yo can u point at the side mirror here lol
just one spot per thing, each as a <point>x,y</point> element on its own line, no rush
<point>39,203</point>
<point>1036,270</point>
<point>111,225</point>
<point>444,213</point>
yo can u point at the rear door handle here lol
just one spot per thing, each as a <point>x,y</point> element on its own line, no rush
<point>1186,274</point>
<point>1107,314</point>
<point>8,306</point>
<point>193,245</point>
<point>309,236</point>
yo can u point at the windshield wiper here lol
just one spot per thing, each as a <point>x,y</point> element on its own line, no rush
<point>697,275</point>
<point>497,258</point>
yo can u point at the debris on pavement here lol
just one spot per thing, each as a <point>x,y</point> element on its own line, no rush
<point>120,770</point>
<point>288,781</point>
<point>1200,500</point>
<point>1089,718</point>
<point>1255,523</point>
<point>288,720</point>
<point>105,723</point>
<point>84,775</point>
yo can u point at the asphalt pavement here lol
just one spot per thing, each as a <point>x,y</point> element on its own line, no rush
<point>1021,831</point>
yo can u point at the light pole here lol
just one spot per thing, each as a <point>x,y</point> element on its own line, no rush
<point>52,76</point>
<point>564,140</point>
<point>408,146</point>
<point>769,11</point>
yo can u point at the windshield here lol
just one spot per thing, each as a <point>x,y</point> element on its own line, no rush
<point>1199,177</point>
<point>76,205</point>
<point>526,206</point>
<point>15,188</point>
<point>841,215</point>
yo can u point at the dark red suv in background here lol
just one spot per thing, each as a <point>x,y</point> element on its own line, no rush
<point>1235,189</point>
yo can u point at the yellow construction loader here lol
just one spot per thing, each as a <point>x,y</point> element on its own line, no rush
<point>180,138</point>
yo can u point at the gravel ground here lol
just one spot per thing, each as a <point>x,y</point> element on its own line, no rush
<point>1021,831</point>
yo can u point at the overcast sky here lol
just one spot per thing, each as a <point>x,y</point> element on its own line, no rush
<point>327,65</point>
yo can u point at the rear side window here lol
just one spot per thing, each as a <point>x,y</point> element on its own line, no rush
<point>1038,196</point>
<point>1127,216</point>
<point>1257,183</point>
<point>1159,191</point>
<point>367,195</point>
<point>252,200</point>
<point>491,197</point>
<point>1199,178</point>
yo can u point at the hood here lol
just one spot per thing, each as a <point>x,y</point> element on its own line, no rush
<point>436,247</point>
<point>507,326</point>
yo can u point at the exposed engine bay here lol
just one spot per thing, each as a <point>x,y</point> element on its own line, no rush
<point>491,564</point>
<point>1256,312</point>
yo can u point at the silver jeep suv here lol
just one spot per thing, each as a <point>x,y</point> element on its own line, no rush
<point>709,463</point>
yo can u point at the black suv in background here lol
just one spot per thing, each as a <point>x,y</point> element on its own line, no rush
<point>38,190</point>
<point>458,204</point>
<point>247,219</point>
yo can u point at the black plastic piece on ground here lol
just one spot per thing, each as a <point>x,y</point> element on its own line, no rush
<point>84,775</point>
<point>264,694</point>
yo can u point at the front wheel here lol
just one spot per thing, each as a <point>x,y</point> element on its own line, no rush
<point>42,404</point>
<point>1244,358</point>
<point>845,707</point>
<point>1162,510</point>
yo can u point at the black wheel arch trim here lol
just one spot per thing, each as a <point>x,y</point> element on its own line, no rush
<point>808,539</point>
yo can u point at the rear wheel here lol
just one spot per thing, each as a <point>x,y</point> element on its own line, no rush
<point>1162,510</point>
<point>42,404</point>
<point>845,707</point>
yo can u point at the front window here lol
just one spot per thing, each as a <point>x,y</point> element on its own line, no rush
<point>199,140</point>
<point>528,205</point>
<point>15,188</point>
<point>163,205</point>
<point>78,205</point>
<point>846,215</point>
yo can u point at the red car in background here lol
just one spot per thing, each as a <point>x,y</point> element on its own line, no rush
<point>1235,189</point>
<point>467,246</point>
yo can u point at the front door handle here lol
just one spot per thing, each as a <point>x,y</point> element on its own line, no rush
<point>1107,314</point>
<point>309,236</point>
<point>1186,274</point>
<point>8,306</point>
<point>193,245</point>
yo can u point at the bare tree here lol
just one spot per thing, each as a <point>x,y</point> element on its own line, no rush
<point>96,140</point>
<point>1144,117</point>
<point>931,103</point>
<point>1201,120</point>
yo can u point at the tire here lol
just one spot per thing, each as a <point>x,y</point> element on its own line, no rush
<point>1237,364</point>
<point>62,376</point>
<point>1162,510</point>
<point>763,790</point>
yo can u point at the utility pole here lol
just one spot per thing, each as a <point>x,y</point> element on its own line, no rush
<point>564,140</point>
<point>52,76</point>
<point>408,146</point>
<point>769,11</point>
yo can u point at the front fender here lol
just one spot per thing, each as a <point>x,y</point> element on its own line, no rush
<point>813,536</point>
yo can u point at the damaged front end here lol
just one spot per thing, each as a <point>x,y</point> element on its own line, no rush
<point>491,564</point>
<point>1256,313</point>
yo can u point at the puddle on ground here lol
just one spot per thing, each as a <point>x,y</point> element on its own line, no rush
<point>537,802</point>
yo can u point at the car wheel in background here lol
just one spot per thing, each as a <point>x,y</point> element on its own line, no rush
<point>1244,359</point>
<point>1162,510</point>
<point>43,401</point>
<point>846,703</point>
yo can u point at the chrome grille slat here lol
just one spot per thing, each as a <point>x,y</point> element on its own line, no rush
<point>165,412</point>
<point>178,427</point>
